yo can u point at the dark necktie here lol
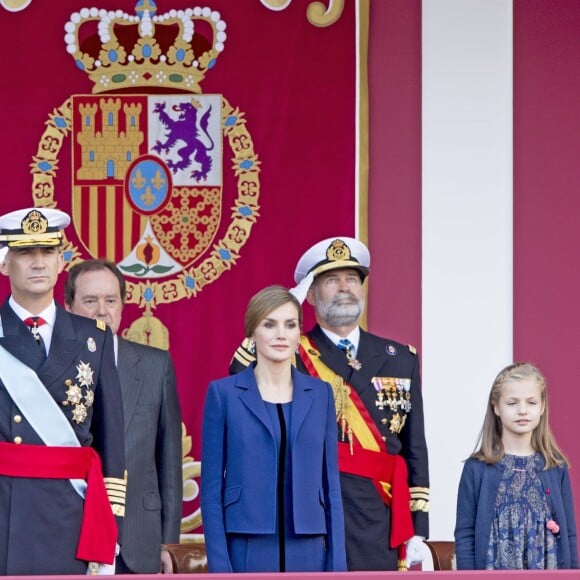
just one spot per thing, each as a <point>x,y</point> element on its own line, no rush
<point>33,322</point>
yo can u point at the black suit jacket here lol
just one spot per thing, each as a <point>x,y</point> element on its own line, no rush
<point>153,451</point>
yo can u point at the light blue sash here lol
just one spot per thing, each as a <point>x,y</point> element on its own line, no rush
<point>37,405</point>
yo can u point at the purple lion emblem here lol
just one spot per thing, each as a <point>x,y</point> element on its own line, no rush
<point>185,129</point>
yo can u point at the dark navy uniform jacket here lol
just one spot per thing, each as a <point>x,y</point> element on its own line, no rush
<point>40,518</point>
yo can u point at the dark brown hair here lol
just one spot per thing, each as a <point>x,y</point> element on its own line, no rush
<point>266,301</point>
<point>94,265</point>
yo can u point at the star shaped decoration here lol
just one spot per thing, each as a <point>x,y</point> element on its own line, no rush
<point>89,397</point>
<point>84,374</point>
<point>79,413</point>
<point>74,395</point>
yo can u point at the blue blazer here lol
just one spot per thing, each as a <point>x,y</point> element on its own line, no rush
<point>239,466</point>
<point>476,505</point>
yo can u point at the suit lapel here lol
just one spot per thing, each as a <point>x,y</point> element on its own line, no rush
<point>251,398</point>
<point>130,376</point>
<point>301,403</point>
<point>64,346</point>
<point>371,357</point>
<point>330,354</point>
<point>18,340</point>
<point>368,355</point>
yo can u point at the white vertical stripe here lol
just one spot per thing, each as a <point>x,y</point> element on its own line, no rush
<point>467,229</point>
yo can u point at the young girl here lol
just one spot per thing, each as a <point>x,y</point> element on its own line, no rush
<point>514,508</point>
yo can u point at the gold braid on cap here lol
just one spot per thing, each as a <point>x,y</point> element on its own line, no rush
<point>34,230</point>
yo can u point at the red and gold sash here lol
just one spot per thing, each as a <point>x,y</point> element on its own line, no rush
<point>365,453</point>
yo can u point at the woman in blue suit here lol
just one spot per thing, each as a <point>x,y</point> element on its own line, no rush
<point>270,490</point>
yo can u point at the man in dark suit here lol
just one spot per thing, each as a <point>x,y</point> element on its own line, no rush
<point>377,388</point>
<point>61,419</point>
<point>96,289</point>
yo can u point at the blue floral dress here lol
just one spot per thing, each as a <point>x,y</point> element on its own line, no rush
<point>519,538</point>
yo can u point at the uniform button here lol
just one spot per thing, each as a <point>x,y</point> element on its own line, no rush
<point>384,437</point>
<point>17,440</point>
<point>384,421</point>
<point>17,418</point>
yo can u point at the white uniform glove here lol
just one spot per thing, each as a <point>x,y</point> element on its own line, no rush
<point>95,569</point>
<point>417,551</point>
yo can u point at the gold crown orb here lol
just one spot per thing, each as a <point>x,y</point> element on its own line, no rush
<point>170,51</point>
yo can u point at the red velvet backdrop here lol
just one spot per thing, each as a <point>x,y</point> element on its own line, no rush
<point>546,204</point>
<point>293,82</point>
<point>394,217</point>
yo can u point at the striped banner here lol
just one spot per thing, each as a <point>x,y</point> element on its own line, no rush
<point>473,208</point>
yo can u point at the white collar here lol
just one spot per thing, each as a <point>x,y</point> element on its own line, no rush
<point>48,314</point>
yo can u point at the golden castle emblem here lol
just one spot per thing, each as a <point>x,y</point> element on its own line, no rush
<point>97,149</point>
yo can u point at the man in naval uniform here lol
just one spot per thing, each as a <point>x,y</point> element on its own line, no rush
<point>377,388</point>
<point>62,462</point>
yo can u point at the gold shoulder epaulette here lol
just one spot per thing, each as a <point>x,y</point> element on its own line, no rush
<point>101,325</point>
<point>244,353</point>
<point>412,349</point>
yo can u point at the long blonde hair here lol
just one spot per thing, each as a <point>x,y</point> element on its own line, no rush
<point>489,446</point>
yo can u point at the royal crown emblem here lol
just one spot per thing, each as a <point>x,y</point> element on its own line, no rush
<point>148,151</point>
<point>119,50</point>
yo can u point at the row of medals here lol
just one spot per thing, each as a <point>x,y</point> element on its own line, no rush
<point>394,394</point>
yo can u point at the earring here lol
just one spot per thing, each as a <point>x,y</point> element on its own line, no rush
<point>252,347</point>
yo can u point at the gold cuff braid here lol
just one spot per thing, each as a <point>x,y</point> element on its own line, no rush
<point>419,499</point>
<point>117,491</point>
